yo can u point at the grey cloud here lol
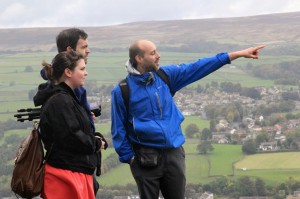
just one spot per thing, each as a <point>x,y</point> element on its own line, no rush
<point>51,13</point>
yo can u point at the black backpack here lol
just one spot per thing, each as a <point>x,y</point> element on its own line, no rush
<point>125,89</point>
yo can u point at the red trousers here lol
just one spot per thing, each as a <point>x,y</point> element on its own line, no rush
<point>62,184</point>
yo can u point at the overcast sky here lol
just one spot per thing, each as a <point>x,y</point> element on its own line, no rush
<point>78,13</point>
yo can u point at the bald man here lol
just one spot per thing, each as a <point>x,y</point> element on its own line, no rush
<point>147,134</point>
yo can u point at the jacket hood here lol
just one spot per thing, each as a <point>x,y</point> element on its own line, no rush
<point>130,69</point>
<point>45,90</point>
<point>145,78</point>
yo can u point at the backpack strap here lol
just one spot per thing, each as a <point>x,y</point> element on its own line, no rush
<point>125,95</point>
<point>165,78</point>
<point>125,92</point>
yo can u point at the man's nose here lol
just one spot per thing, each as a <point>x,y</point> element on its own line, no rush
<point>157,55</point>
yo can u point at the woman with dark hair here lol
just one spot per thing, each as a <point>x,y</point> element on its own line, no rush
<point>66,132</point>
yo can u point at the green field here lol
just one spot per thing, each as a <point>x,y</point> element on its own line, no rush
<point>203,169</point>
<point>104,128</point>
<point>108,69</point>
<point>273,167</point>
<point>270,161</point>
<point>222,158</point>
<point>272,176</point>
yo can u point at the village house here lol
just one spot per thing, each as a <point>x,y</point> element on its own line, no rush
<point>268,146</point>
<point>207,195</point>
<point>296,195</point>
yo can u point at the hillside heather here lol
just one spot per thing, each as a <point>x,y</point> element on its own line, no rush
<point>280,32</point>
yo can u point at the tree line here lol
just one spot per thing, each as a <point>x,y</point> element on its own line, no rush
<point>221,186</point>
<point>285,73</point>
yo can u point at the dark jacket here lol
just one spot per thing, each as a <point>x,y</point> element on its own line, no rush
<point>80,93</point>
<point>66,130</point>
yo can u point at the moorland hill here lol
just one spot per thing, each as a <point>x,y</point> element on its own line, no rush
<point>275,30</point>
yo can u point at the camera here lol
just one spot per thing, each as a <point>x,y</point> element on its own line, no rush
<point>96,111</point>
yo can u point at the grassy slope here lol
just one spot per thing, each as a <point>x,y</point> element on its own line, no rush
<point>273,167</point>
<point>222,157</point>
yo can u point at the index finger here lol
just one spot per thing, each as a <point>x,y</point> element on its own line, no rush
<point>259,47</point>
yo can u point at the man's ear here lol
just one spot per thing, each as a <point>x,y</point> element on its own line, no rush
<point>138,58</point>
<point>69,49</point>
<point>68,72</point>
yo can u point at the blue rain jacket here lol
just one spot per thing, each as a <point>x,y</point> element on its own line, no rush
<point>153,117</point>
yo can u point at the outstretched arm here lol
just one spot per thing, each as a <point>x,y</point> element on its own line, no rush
<point>251,52</point>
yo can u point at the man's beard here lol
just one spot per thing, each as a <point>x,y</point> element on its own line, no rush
<point>151,68</point>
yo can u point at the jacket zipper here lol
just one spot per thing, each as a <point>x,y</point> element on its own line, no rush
<point>137,137</point>
<point>159,105</point>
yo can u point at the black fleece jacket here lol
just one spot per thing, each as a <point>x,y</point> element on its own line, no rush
<point>66,130</point>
